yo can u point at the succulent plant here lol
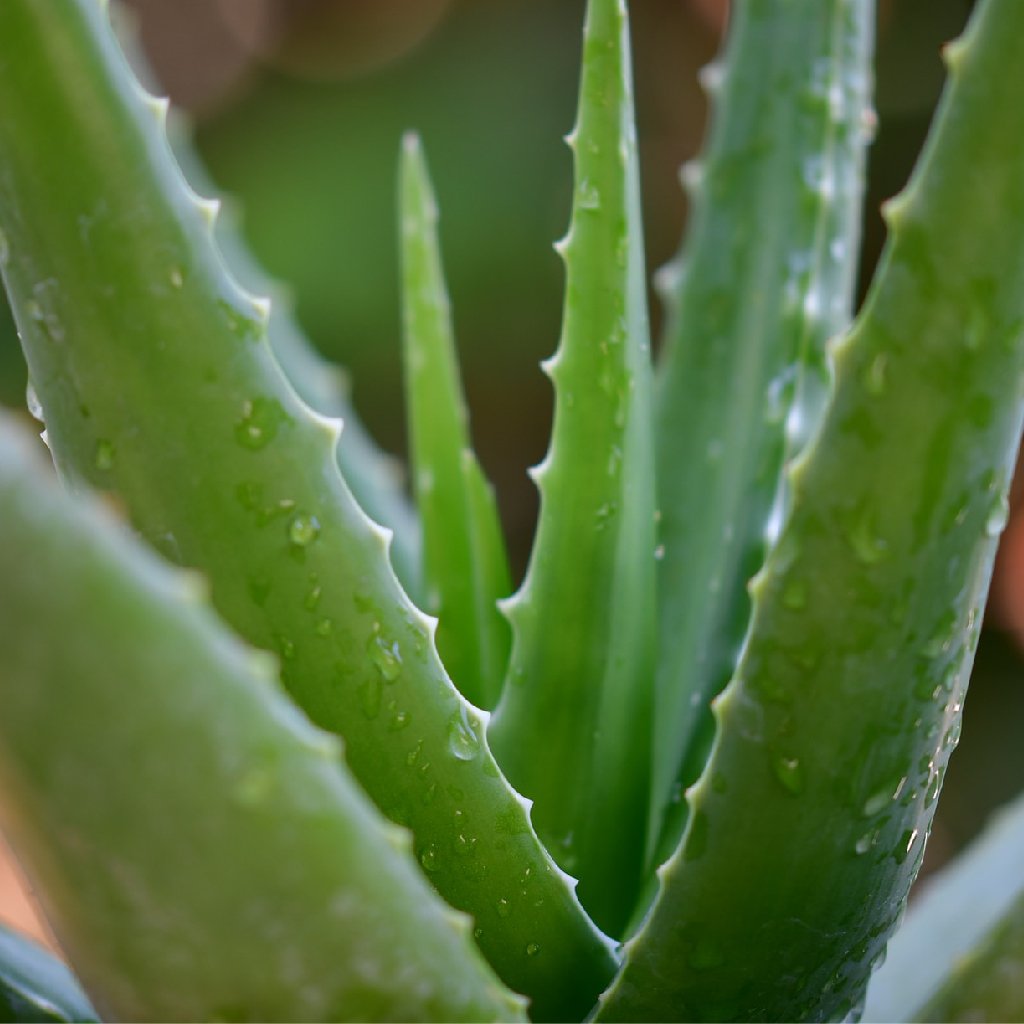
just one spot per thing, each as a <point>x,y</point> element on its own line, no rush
<point>323,765</point>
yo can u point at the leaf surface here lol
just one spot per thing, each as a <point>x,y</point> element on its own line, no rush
<point>158,385</point>
<point>574,723</point>
<point>809,822</point>
<point>765,277</point>
<point>201,851</point>
<point>465,568</point>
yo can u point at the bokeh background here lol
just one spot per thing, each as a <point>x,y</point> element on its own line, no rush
<point>298,107</point>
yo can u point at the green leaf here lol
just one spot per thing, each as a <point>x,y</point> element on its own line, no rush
<point>809,822</point>
<point>465,569</point>
<point>375,478</point>
<point>200,848</point>
<point>158,385</point>
<point>573,726</point>
<point>949,918</point>
<point>988,983</point>
<point>765,278</point>
<point>35,985</point>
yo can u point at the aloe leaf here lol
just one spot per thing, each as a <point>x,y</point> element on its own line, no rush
<point>988,983</point>
<point>809,822</point>
<point>949,918</point>
<point>310,898</point>
<point>158,385</point>
<point>35,985</point>
<point>465,568</point>
<point>765,278</point>
<point>374,477</point>
<point>572,728</point>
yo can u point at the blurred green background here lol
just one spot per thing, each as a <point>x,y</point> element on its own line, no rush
<point>298,108</point>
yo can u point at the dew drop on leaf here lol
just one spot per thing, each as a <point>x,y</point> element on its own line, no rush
<point>905,845</point>
<point>998,514</point>
<point>867,546</point>
<point>103,458</point>
<point>588,197</point>
<point>260,421</point>
<point>303,529</point>
<point>532,949</point>
<point>875,374</point>
<point>400,718</point>
<point>429,858</point>
<point>35,407</point>
<point>789,773</point>
<point>463,741</point>
<point>386,655</point>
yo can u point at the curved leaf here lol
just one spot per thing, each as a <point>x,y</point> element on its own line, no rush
<point>158,384</point>
<point>809,822</point>
<point>199,847</point>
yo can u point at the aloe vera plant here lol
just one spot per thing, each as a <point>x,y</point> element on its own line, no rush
<point>686,771</point>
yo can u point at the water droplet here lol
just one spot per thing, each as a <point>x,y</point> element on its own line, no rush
<point>303,529</point>
<point>587,196</point>
<point>312,598</point>
<point>532,949</point>
<point>386,656</point>
<point>865,843</point>
<point>659,552</point>
<point>103,458</point>
<point>370,691</point>
<point>325,627</point>
<point>883,796</point>
<point>463,741</point>
<point>35,407</point>
<point>463,845</point>
<point>605,514</point>
<point>177,277</point>
<point>875,375</point>
<point>952,737</point>
<point>998,514</point>
<point>400,718</point>
<point>242,325</point>
<point>794,597</point>
<point>905,845</point>
<point>867,545</point>
<point>789,773</point>
<point>504,909</point>
<point>260,421</point>
<point>429,858</point>
<point>285,647</point>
